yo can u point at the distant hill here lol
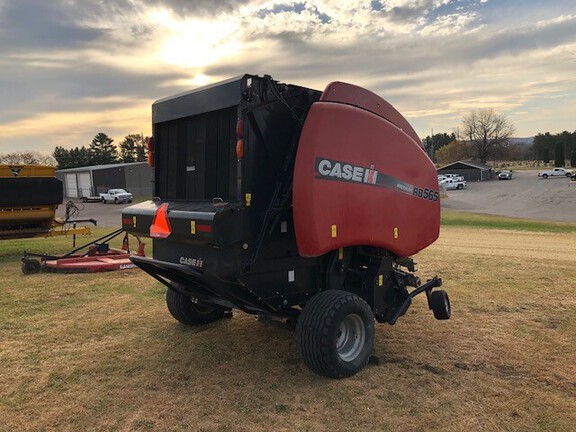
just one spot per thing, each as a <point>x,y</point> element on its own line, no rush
<point>522,141</point>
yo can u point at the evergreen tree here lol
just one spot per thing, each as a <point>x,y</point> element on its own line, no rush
<point>102,150</point>
<point>73,158</point>
<point>546,155</point>
<point>142,152</point>
<point>62,156</point>
<point>435,142</point>
<point>559,155</point>
<point>133,148</point>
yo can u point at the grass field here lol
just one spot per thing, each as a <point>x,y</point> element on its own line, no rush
<point>101,353</point>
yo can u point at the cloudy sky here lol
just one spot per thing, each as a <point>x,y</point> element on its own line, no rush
<point>72,68</point>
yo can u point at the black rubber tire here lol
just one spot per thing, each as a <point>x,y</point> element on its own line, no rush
<point>459,186</point>
<point>31,266</point>
<point>568,175</point>
<point>186,310</point>
<point>319,332</point>
<point>103,200</point>
<point>544,176</point>
<point>440,305</point>
<point>115,200</point>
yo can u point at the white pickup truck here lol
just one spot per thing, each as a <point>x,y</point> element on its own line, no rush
<point>116,196</point>
<point>555,172</point>
<point>452,183</point>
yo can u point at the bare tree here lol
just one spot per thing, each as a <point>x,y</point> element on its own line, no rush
<point>487,131</point>
<point>27,158</point>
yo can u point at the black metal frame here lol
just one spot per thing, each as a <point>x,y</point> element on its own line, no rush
<point>104,239</point>
<point>204,286</point>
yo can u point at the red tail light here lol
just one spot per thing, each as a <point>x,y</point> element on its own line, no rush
<point>240,129</point>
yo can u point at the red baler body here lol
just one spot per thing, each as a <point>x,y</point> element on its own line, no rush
<point>361,177</point>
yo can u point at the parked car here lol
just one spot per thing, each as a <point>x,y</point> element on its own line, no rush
<point>451,183</point>
<point>116,196</point>
<point>555,173</point>
<point>505,175</point>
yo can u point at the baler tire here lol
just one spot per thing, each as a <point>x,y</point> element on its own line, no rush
<point>335,333</point>
<point>185,310</point>
<point>440,305</point>
<point>31,266</point>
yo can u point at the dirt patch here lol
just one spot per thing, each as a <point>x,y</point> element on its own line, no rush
<point>504,243</point>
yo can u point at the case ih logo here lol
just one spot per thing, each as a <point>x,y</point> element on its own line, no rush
<point>194,262</point>
<point>345,171</point>
<point>328,169</point>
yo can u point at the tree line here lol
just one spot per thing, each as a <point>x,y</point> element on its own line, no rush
<point>486,135</point>
<point>102,151</point>
<point>559,147</point>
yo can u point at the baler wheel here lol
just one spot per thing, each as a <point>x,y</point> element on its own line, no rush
<point>335,333</point>
<point>31,266</point>
<point>186,310</point>
<point>440,305</point>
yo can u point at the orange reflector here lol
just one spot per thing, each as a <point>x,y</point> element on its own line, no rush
<point>240,148</point>
<point>160,227</point>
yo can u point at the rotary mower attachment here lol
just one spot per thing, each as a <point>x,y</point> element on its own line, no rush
<point>96,256</point>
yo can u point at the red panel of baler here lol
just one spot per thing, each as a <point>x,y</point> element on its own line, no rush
<point>361,180</point>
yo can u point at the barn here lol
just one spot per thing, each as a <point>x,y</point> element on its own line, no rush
<point>471,171</point>
<point>135,177</point>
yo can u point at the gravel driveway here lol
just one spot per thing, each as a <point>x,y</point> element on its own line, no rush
<point>107,215</point>
<point>526,196</point>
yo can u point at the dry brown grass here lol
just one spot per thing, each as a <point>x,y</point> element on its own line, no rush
<point>101,353</point>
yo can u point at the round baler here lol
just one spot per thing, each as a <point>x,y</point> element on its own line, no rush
<point>298,206</point>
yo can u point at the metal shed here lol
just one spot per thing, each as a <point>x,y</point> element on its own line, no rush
<point>471,171</point>
<point>136,177</point>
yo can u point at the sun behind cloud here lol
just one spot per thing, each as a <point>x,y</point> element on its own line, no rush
<point>195,43</point>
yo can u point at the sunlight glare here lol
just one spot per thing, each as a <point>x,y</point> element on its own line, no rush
<point>194,43</point>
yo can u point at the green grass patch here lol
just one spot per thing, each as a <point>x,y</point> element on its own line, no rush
<point>473,220</point>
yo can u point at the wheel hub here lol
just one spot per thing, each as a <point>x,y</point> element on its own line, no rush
<point>350,337</point>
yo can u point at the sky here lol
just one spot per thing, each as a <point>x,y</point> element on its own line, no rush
<point>72,68</point>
